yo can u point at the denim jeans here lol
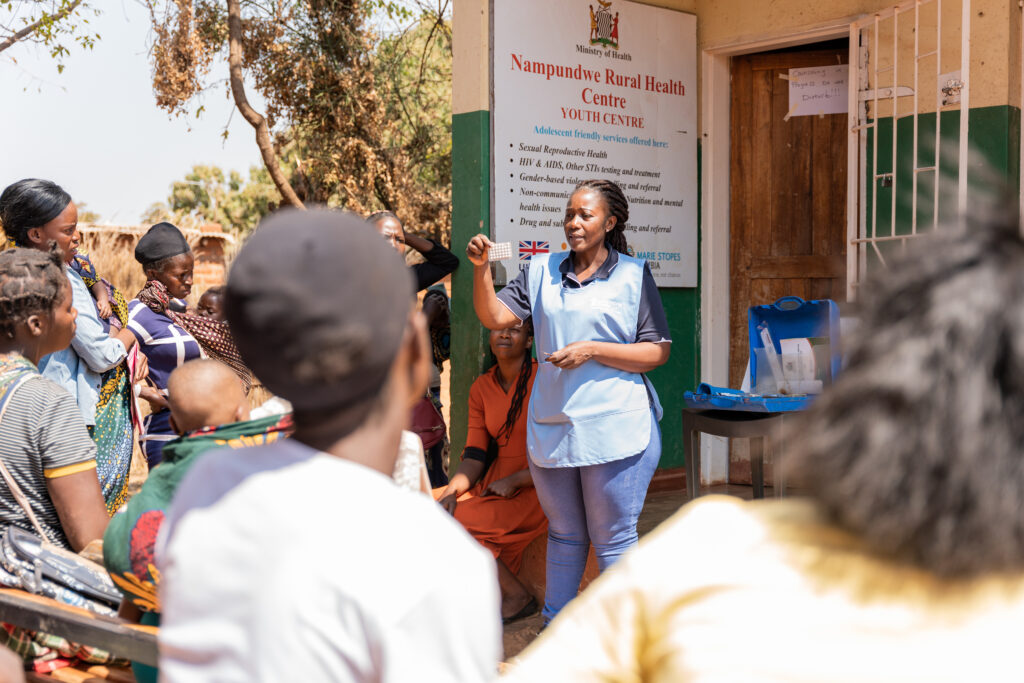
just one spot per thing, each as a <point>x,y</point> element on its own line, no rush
<point>596,504</point>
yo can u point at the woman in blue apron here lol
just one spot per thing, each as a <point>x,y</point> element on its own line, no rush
<point>592,429</point>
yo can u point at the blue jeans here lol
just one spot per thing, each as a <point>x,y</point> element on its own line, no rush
<point>596,504</point>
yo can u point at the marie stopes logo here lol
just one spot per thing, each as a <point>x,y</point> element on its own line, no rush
<point>604,26</point>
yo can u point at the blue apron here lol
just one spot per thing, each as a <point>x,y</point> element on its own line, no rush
<point>594,413</point>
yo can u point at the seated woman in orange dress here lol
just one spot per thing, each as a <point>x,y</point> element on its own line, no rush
<point>492,493</point>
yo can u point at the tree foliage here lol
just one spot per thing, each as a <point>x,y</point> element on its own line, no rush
<point>361,116</point>
<point>52,23</point>
<point>86,215</point>
<point>209,195</point>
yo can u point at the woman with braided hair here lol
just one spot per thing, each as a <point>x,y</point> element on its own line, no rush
<point>168,334</point>
<point>492,494</point>
<point>592,425</point>
<point>44,443</point>
<point>49,485</point>
<point>97,368</point>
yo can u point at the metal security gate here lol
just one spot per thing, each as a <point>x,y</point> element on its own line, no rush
<point>909,78</point>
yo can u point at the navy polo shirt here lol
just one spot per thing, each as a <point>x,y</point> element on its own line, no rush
<point>651,325</point>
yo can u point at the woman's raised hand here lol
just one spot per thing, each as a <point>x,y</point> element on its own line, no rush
<point>476,250</point>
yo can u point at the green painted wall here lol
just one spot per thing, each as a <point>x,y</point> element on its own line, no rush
<point>471,210</point>
<point>470,215</point>
<point>681,373</point>
<point>994,139</point>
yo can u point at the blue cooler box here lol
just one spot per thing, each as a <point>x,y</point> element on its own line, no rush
<point>788,318</point>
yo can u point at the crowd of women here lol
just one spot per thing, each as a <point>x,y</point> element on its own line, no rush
<point>534,450</point>
<point>279,542</point>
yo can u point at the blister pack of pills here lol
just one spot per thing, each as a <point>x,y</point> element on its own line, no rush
<point>499,251</point>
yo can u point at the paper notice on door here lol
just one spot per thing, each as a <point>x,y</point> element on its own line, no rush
<point>818,90</point>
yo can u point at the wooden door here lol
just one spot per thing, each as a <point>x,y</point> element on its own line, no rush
<point>788,194</point>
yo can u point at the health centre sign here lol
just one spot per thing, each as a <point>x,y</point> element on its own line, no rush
<point>592,89</point>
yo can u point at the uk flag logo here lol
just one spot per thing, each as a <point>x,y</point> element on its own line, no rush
<point>528,248</point>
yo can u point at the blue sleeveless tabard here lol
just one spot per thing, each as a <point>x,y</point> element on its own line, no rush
<point>594,413</point>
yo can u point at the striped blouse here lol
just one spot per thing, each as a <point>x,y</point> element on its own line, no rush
<point>42,437</point>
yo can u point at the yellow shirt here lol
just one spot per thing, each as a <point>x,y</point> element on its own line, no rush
<point>727,590</point>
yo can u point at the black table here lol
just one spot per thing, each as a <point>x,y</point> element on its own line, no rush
<point>761,428</point>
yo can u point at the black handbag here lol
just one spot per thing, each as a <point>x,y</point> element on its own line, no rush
<point>45,569</point>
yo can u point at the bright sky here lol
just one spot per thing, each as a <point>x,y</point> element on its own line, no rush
<point>96,130</point>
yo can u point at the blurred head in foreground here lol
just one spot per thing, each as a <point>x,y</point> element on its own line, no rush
<point>918,448</point>
<point>343,361</point>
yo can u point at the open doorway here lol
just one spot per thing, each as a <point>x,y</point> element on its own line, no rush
<point>787,199</point>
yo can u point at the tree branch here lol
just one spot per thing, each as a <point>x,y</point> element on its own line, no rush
<point>28,30</point>
<point>255,119</point>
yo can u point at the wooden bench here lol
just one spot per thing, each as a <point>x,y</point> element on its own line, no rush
<point>117,636</point>
<point>90,674</point>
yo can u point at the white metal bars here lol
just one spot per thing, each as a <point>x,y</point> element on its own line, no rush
<point>914,31</point>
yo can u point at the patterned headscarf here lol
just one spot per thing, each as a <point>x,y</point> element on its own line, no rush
<point>213,335</point>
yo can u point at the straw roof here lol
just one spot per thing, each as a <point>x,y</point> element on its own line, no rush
<point>194,236</point>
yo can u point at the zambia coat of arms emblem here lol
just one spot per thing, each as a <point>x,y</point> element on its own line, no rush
<point>604,28</point>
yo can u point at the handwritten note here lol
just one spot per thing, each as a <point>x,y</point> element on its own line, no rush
<point>818,90</point>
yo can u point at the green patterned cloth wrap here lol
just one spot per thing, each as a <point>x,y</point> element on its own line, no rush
<point>130,538</point>
<point>114,436</point>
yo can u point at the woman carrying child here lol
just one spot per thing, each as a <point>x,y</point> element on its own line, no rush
<point>167,333</point>
<point>492,494</point>
<point>36,213</point>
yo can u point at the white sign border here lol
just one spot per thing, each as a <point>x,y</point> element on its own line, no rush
<point>500,276</point>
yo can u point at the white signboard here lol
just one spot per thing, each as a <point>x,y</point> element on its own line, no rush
<point>592,89</point>
<point>818,90</point>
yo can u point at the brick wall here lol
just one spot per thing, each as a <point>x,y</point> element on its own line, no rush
<point>210,269</point>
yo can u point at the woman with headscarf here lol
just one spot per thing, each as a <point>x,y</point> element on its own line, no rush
<point>167,333</point>
<point>35,214</point>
